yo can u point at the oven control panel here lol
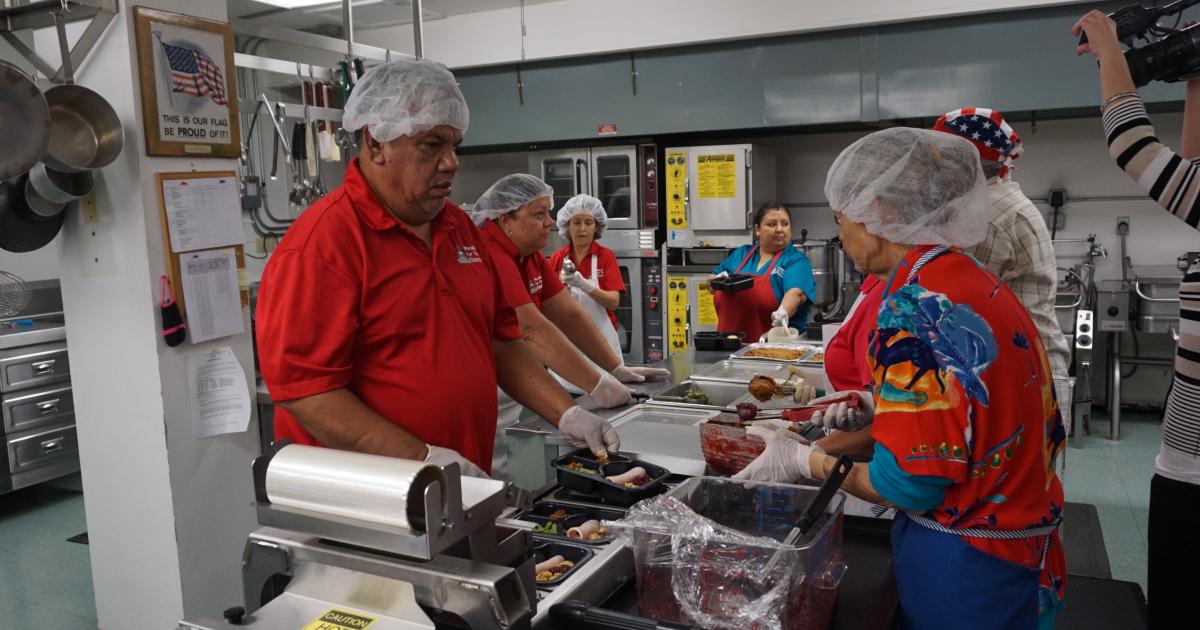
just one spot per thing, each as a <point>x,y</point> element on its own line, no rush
<point>677,312</point>
<point>652,310</point>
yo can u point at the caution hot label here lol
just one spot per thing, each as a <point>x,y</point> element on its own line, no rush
<point>338,619</point>
<point>704,302</point>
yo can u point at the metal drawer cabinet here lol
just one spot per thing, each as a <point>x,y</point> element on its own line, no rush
<point>31,409</point>
<point>31,366</point>
<point>42,449</point>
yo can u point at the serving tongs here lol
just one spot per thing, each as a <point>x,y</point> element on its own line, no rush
<point>784,389</point>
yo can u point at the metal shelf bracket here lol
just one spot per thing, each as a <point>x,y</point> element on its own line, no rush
<point>48,13</point>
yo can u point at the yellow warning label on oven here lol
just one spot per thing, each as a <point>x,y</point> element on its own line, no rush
<point>677,313</point>
<point>707,315</point>
<point>677,190</point>
<point>337,619</point>
<point>716,176</point>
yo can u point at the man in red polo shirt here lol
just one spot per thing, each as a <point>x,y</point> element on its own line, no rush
<point>381,323</point>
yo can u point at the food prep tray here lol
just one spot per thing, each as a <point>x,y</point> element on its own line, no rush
<point>543,551</point>
<point>742,370</point>
<point>720,394</point>
<point>708,340</point>
<point>806,350</point>
<point>609,491</point>
<point>541,513</point>
<point>735,283</point>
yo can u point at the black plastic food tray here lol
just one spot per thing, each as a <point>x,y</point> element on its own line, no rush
<point>708,340</point>
<point>609,491</point>
<point>545,550</point>
<point>733,284</point>
<point>576,516</point>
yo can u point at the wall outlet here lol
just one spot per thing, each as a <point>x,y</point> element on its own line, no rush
<point>1122,226</point>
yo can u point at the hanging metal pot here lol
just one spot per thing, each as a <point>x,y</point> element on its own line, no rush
<point>24,122</point>
<point>59,187</point>
<point>85,131</point>
<point>21,230</point>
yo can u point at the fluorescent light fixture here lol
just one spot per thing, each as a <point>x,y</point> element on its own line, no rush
<point>301,4</point>
<point>294,4</point>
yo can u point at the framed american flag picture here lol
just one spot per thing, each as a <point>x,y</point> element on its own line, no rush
<point>188,84</point>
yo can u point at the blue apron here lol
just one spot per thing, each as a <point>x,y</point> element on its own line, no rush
<point>944,582</point>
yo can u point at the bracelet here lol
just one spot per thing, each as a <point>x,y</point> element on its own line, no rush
<point>1117,96</point>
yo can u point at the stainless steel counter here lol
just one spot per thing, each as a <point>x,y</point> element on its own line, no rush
<point>532,442</point>
<point>40,331</point>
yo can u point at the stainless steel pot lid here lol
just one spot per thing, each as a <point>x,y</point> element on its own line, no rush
<point>24,122</point>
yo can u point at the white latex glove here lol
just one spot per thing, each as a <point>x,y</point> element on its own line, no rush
<point>442,456</point>
<point>638,374</point>
<point>805,393</point>
<point>785,460</point>
<point>840,416</point>
<point>723,274</point>
<point>584,428</point>
<point>579,282</point>
<point>780,318</point>
<point>609,392</point>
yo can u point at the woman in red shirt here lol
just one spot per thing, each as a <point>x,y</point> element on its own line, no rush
<point>846,364</point>
<point>597,277</point>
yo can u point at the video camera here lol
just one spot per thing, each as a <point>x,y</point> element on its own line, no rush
<point>1174,57</point>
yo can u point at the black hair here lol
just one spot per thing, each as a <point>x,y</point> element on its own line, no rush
<point>762,211</point>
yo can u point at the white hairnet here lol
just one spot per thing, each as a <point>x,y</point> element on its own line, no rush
<point>405,98</point>
<point>912,186</point>
<point>582,204</point>
<point>508,194</point>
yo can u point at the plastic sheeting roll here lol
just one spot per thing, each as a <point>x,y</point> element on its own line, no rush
<point>372,488</point>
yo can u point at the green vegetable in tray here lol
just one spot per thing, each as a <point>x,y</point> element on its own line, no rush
<point>550,528</point>
<point>584,470</point>
<point>696,396</point>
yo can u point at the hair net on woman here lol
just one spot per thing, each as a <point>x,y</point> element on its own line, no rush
<point>508,194</point>
<point>582,204</point>
<point>405,98</point>
<point>912,186</point>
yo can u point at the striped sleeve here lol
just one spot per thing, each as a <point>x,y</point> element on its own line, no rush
<point>1168,178</point>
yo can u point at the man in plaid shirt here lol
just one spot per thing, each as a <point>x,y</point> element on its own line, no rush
<point>1017,247</point>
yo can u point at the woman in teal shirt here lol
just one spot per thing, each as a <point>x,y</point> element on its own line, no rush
<point>784,287</point>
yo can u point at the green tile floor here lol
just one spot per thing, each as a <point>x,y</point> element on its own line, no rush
<point>46,583</point>
<point>1115,477</point>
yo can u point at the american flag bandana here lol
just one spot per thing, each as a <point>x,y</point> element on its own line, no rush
<point>194,74</point>
<point>987,130</point>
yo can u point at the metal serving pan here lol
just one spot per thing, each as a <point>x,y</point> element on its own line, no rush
<point>721,394</point>
<point>742,370</point>
<point>807,351</point>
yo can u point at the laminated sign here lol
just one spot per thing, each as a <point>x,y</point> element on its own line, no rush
<point>717,175</point>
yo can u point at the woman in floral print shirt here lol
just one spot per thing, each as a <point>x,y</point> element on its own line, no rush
<point>962,406</point>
